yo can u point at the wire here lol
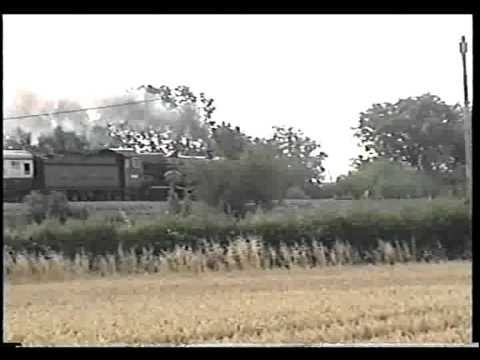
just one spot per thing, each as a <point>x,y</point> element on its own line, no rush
<point>79,110</point>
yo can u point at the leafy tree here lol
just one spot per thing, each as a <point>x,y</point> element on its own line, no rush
<point>265,176</point>
<point>217,183</point>
<point>321,191</point>
<point>383,178</point>
<point>292,144</point>
<point>423,132</point>
<point>228,142</point>
<point>354,185</point>
<point>258,176</point>
<point>186,132</point>
<point>296,192</point>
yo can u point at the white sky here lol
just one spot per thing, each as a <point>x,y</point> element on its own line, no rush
<point>314,72</point>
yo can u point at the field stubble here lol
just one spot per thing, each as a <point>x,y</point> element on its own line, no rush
<point>345,304</point>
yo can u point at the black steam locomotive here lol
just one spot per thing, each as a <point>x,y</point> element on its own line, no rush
<point>109,174</point>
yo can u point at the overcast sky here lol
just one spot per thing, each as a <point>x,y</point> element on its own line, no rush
<point>314,72</point>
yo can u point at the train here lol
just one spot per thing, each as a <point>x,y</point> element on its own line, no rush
<point>105,175</point>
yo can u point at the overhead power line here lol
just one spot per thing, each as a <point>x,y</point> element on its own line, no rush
<point>78,110</point>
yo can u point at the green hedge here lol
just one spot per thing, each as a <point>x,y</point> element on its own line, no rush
<point>428,223</point>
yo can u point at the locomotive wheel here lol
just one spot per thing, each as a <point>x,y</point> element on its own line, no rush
<point>91,196</point>
<point>72,196</point>
<point>97,196</point>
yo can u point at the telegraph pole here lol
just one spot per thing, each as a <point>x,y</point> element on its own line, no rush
<point>467,126</point>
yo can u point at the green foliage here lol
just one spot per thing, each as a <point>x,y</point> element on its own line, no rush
<point>264,176</point>
<point>229,143</point>
<point>179,127</point>
<point>237,183</point>
<point>422,131</point>
<point>51,206</point>
<point>37,206</point>
<point>296,192</point>
<point>292,144</point>
<point>321,191</point>
<point>258,176</point>
<point>383,178</point>
<point>214,181</point>
<point>420,222</point>
<point>57,205</point>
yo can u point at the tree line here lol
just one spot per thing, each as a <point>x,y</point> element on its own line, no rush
<point>412,148</point>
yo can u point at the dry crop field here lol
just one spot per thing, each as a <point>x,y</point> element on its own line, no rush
<point>341,304</point>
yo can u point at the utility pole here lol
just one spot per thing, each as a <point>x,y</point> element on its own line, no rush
<point>467,126</point>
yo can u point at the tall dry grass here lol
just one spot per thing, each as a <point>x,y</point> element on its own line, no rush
<point>240,254</point>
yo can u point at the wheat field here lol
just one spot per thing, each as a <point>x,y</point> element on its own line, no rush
<point>408,303</point>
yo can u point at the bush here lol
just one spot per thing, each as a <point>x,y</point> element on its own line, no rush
<point>295,192</point>
<point>321,191</point>
<point>57,206</point>
<point>231,184</point>
<point>37,206</point>
<point>423,223</point>
<point>53,205</point>
<point>385,179</point>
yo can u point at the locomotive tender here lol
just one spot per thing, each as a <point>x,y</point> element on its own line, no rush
<point>109,174</point>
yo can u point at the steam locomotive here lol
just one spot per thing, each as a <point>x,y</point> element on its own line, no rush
<point>109,174</point>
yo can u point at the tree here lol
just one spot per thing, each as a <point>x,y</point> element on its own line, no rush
<point>265,176</point>
<point>184,133</point>
<point>228,142</point>
<point>258,176</point>
<point>423,132</point>
<point>384,178</point>
<point>217,183</point>
<point>304,152</point>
